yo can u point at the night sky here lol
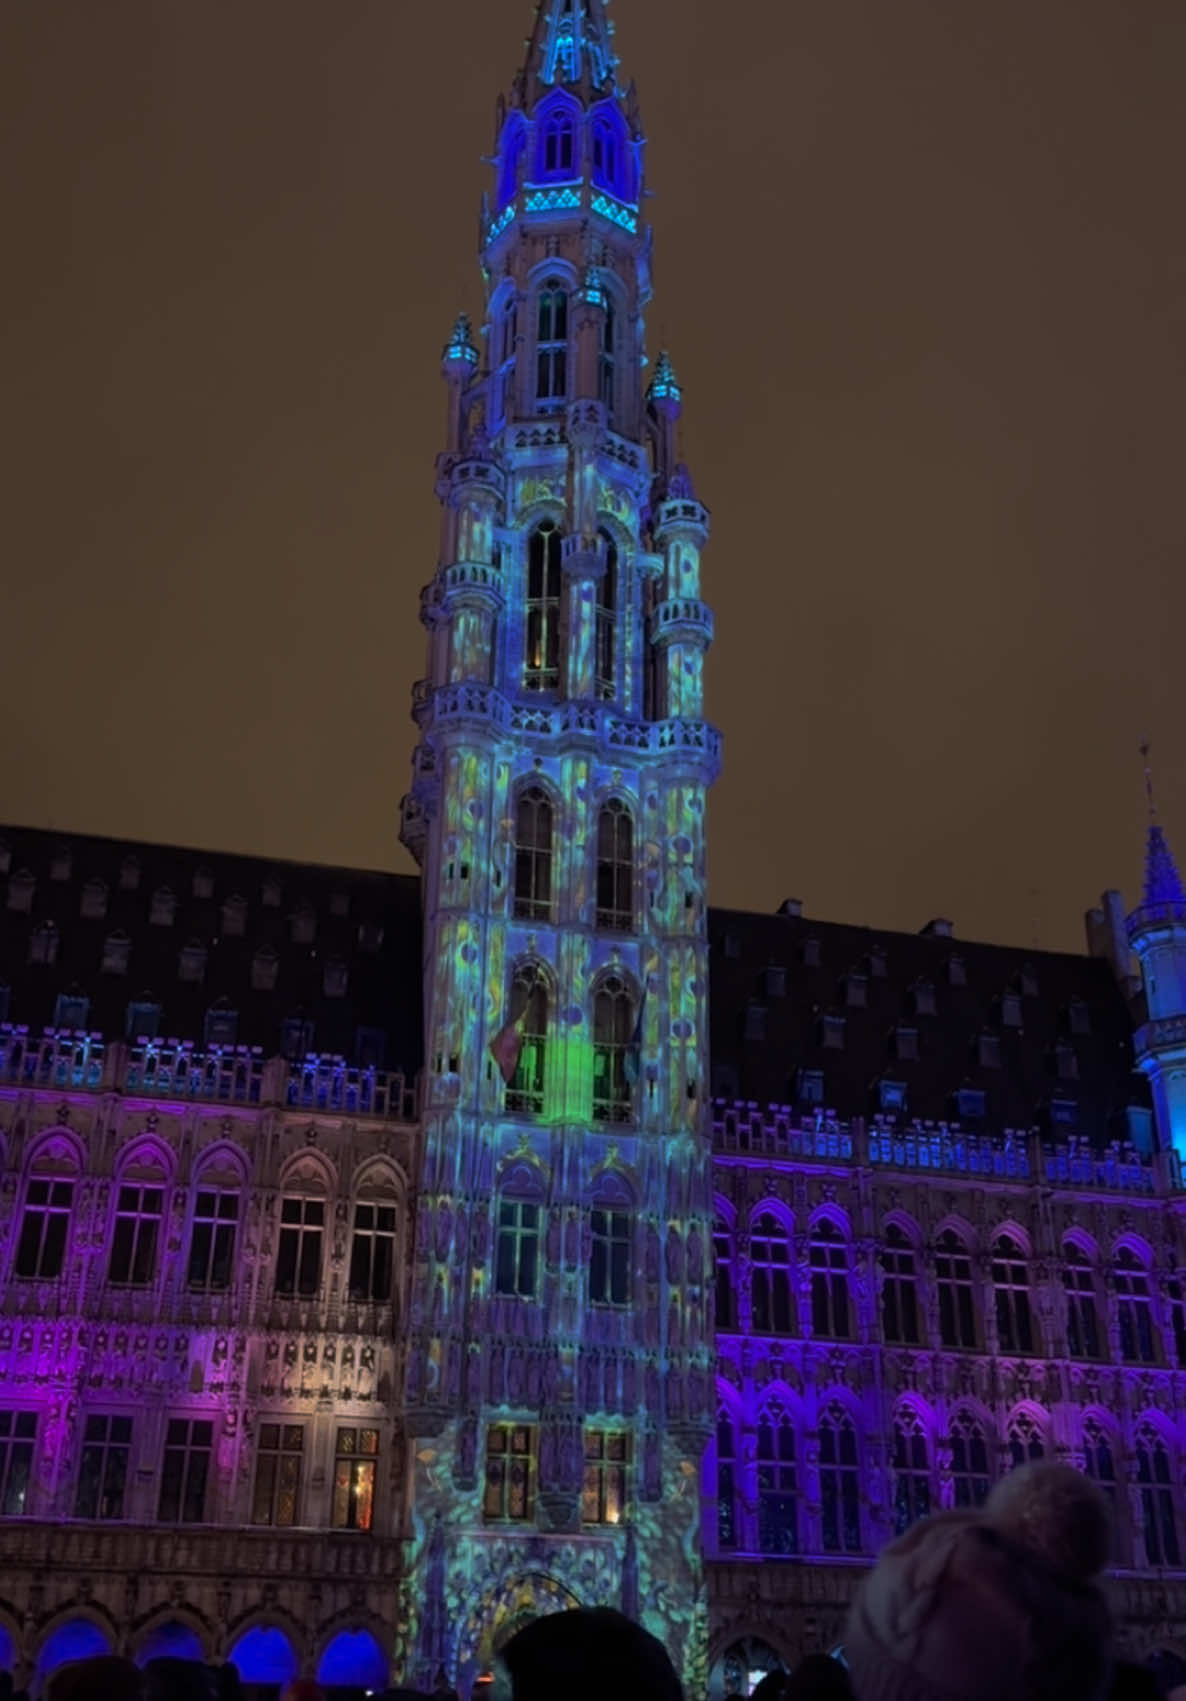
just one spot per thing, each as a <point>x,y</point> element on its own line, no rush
<point>921,265</point>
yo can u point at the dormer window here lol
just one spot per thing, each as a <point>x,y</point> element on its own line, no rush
<point>271,895</point>
<point>303,925</point>
<point>924,998</point>
<point>957,971</point>
<point>988,1048</point>
<point>831,1034</point>
<point>93,903</point>
<point>970,1104</point>
<point>61,863</point>
<point>1064,1113</point>
<point>265,966</point>
<point>891,1096</point>
<point>810,953</point>
<point>129,874</point>
<point>203,883</point>
<point>1029,981</point>
<point>370,937</point>
<point>335,978</point>
<point>1011,1010</point>
<point>810,1086</point>
<point>775,980</point>
<point>70,1011</point>
<point>1078,1017</point>
<point>234,917</point>
<point>878,966</point>
<point>755,1021</point>
<point>163,907</point>
<point>221,1025</point>
<point>557,144</point>
<point>117,950</point>
<point>339,903</point>
<point>142,1019</point>
<point>43,944</point>
<point>191,964</point>
<point>1066,1061</point>
<point>21,887</point>
<point>906,1043</point>
<point>856,991</point>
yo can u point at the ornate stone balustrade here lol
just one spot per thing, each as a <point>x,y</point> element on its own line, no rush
<point>29,1545</point>
<point>1157,1036</point>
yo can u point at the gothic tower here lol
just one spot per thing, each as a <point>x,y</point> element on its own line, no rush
<point>1157,933</point>
<point>560,1346</point>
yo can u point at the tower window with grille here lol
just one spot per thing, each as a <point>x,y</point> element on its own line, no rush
<point>912,1473</point>
<point>1155,1486</point>
<point>605,1491</point>
<point>839,1479</point>
<point>298,1258</point>
<point>103,1469</point>
<point>613,1033</point>
<point>829,1282</point>
<point>770,1275</point>
<point>557,144</point>
<point>1135,1309</point>
<point>510,1472</point>
<point>45,1226</point>
<point>726,1483</point>
<point>372,1252</point>
<point>899,1288</point>
<point>1010,1280</point>
<point>551,346</point>
<point>722,1246</point>
<point>778,1499</point>
<point>969,1461</point>
<point>355,1459</point>
<point>1025,1441</point>
<point>1083,1332</point>
<point>609,1262</point>
<point>516,1258</point>
<point>953,1279</point>
<point>212,1240</point>
<point>137,1229</point>
<point>527,1089</point>
<point>18,1431</point>
<point>615,867</point>
<point>607,358</point>
<point>533,856</point>
<point>278,1462</point>
<point>189,1444</point>
<point>544,584</point>
<point>607,605</point>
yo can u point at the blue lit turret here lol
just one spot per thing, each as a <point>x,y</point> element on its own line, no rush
<point>1157,933</point>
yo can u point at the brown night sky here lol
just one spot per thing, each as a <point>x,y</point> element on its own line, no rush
<point>922,268</point>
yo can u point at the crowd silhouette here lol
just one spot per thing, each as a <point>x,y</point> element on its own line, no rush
<point>1001,1603</point>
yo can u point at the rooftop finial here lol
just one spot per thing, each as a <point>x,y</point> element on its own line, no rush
<point>571,39</point>
<point>1146,751</point>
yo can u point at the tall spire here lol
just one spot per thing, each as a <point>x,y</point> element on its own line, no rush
<point>572,42</point>
<point>1163,897</point>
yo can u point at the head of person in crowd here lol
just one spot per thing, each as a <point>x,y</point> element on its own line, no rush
<point>586,1654</point>
<point>818,1678</point>
<point>106,1677</point>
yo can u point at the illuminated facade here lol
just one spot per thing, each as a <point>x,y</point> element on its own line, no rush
<point>559,1357</point>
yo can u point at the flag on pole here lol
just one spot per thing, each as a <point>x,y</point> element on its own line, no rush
<point>507,1046</point>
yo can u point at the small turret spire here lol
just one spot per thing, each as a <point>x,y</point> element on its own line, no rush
<point>1163,890</point>
<point>571,40</point>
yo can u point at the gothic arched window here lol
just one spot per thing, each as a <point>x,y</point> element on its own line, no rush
<point>613,1042</point>
<point>607,357</point>
<point>516,1257</point>
<point>722,1247</point>
<point>1134,1308</point>
<point>533,855</point>
<point>912,1472</point>
<point>615,867</point>
<point>770,1275</point>
<point>551,345</point>
<point>607,168</point>
<point>969,1461</point>
<point>1011,1290</point>
<point>1099,1463</point>
<point>529,1012</point>
<point>1083,1330</point>
<point>829,1282</point>
<point>1155,1483</point>
<point>953,1278</point>
<point>609,1258</point>
<point>607,615</point>
<point>899,1288</point>
<point>544,580</point>
<point>726,1482</point>
<point>778,1511</point>
<point>557,144</point>
<point>1025,1441</point>
<point>839,1480</point>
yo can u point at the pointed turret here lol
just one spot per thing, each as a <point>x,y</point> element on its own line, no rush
<point>1157,933</point>
<point>571,45</point>
<point>1163,883</point>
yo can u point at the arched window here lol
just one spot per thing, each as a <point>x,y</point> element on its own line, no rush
<point>969,1461</point>
<point>542,664</point>
<point>722,1247</point>
<point>1134,1308</point>
<point>557,144</point>
<point>551,345</point>
<point>139,1209</point>
<point>613,1042</point>
<point>610,1260</point>
<point>839,1481</point>
<point>516,1261</point>
<point>1025,1441</point>
<point>533,855</point>
<point>1155,1482</point>
<point>607,164</point>
<point>899,1288</point>
<point>778,1510</point>
<point>726,1482</point>
<point>829,1282</point>
<point>615,867</point>
<point>607,605</point>
<point>529,1011</point>
<point>1010,1280</point>
<point>607,358</point>
<point>953,1278</point>
<point>1099,1463</point>
<point>770,1275</point>
<point>912,1472</point>
<point>212,1238</point>
<point>372,1247</point>
<point>1083,1330</point>
<point>45,1221</point>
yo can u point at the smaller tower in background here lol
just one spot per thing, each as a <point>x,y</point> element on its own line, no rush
<point>1157,933</point>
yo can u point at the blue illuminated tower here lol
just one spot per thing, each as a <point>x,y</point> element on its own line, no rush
<point>1157,933</point>
<point>560,1348</point>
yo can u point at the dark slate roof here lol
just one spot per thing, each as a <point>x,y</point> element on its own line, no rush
<point>767,1026</point>
<point>368,922</point>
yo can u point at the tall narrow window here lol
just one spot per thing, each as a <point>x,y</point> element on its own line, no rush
<point>1178,1321</point>
<point>609,1262</point>
<point>829,1282</point>
<point>778,1500</point>
<point>137,1229</point>
<point>510,1472</point>
<point>606,1485</point>
<point>103,1471</point>
<point>1083,1330</point>
<point>606,359</point>
<point>557,144</point>
<point>1134,1307</point>
<point>533,855</point>
<point>355,1457</point>
<point>372,1252</point>
<point>529,1010</point>
<point>551,346</point>
<point>613,1032</point>
<point>605,153</point>
<point>1156,1486</point>
<point>44,1228</point>
<point>912,1472</point>
<point>298,1257</point>
<point>722,1247</point>
<point>726,1483</point>
<point>770,1275</point>
<point>969,1461</point>
<point>544,588</point>
<point>1025,1441</point>
<point>615,867</point>
<point>18,1431</point>
<point>899,1288</point>
<point>278,1461</point>
<point>517,1251</point>
<point>953,1279</point>
<point>1010,1281</point>
<point>189,1444</point>
<point>607,605</point>
<point>839,1476</point>
<point>1099,1463</point>
<point>212,1240</point>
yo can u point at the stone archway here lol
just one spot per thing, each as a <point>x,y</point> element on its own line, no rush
<point>499,1614</point>
<point>741,1664</point>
